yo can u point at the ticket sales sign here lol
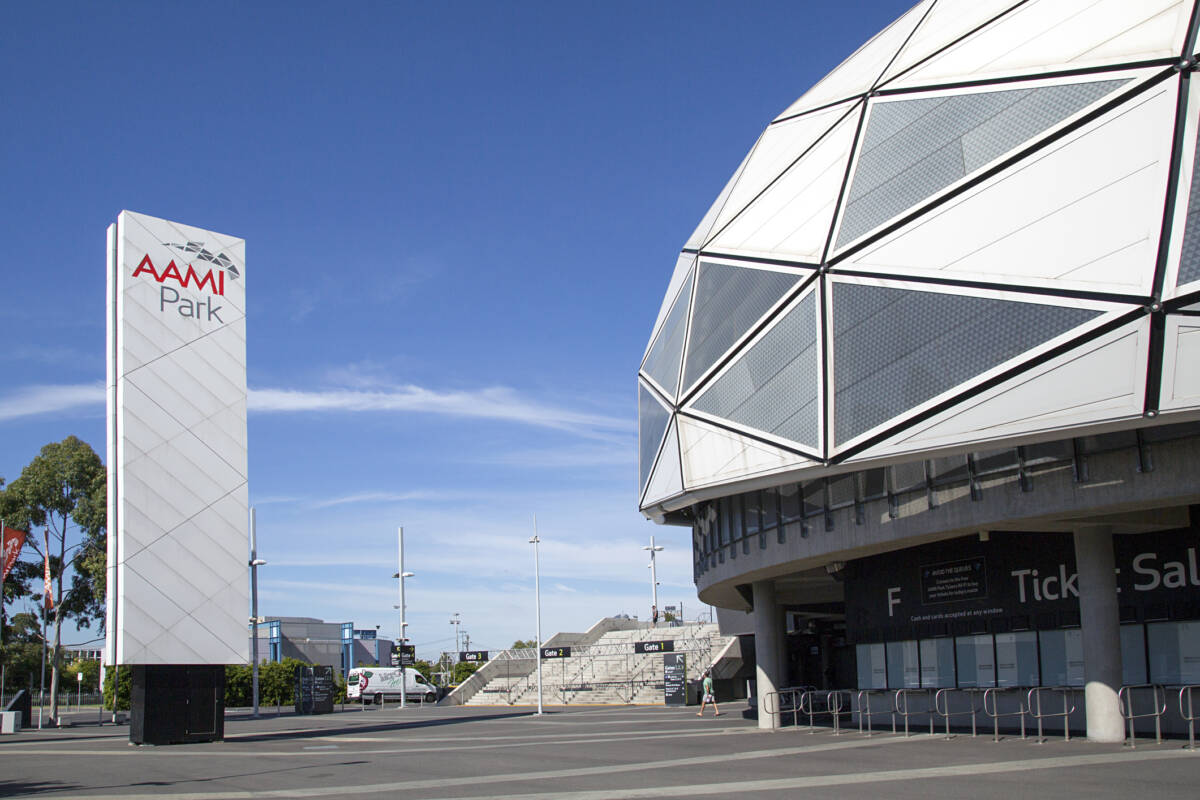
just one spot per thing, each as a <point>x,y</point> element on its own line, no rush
<point>177,466</point>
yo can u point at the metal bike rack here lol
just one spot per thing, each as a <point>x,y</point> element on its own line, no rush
<point>1034,705</point>
<point>941,706</point>
<point>808,705</point>
<point>1159,695</point>
<point>865,710</point>
<point>1189,716</point>
<point>838,702</point>
<point>783,700</point>
<point>902,708</point>
<point>994,693</point>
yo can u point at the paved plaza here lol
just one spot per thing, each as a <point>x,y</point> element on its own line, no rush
<point>573,753</point>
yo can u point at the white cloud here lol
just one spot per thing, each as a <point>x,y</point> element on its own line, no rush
<point>34,400</point>
<point>496,403</point>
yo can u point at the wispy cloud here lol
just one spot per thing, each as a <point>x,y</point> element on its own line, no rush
<point>35,400</point>
<point>379,497</point>
<point>494,403</point>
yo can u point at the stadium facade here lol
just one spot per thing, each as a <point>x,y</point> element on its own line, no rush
<point>925,383</point>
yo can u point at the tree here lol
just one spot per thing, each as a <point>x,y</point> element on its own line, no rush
<point>524,644</point>
<point>63,491</point>
<point>464,670</point>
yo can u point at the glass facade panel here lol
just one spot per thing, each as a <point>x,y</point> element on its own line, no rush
<point>976,660</point>
<point>937,663</point>
<point>1133,655</point>
<point>903,665</point>
<point>752,514</point>
<point>1062,657</point>
<point>872,666</point>
<point>1017,659</point>
<point>789,502</point>
<point>1174,652</point>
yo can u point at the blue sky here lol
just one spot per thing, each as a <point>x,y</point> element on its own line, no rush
<point>460,220</point>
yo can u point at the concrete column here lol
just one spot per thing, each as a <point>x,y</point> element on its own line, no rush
<point>768,648</point>
<point>1100,624</point>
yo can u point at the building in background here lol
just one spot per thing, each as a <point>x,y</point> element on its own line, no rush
<point>928,371</point>
<point>336,644</point>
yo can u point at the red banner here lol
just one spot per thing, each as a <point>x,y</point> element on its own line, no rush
<point>48,598</point>
<point>14,540</point>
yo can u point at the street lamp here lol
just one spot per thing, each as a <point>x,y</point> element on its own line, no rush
<point>653,574</point>
<point>401,574</point>
<point>537,593</point>
<point>456,621</point>
<point>255,619</point>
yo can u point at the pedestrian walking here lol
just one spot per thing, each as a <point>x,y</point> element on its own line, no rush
<point>707,697</point>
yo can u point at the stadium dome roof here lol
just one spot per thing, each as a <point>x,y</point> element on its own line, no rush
<point>979,228</point>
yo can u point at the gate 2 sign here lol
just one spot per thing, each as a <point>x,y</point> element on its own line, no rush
<point>556,652</point>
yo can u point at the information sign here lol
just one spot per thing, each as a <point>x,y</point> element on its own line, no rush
<point>556,652</point>
<point>675,679</point>
<point>473,656</point>
<point>404,655</point>
<point>667,646</point>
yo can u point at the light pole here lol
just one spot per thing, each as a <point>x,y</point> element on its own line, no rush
<point>653,574</point>
<point>537,594</point>
<point>401,574</point>
<point>255,563</point>
<point>456,621</point>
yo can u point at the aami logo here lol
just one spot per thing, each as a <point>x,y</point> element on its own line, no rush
<point>212,280</point>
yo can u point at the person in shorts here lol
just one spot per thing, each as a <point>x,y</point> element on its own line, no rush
<point>707,688</point>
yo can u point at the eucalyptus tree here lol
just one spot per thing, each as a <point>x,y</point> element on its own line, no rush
<point>60,499</point>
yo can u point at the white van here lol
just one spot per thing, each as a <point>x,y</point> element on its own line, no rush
<point>376,684</point>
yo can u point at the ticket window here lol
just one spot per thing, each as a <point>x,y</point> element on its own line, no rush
<point>937,663</point>
<point>1017,659</point>
<point>976,661</point>
<point>1174,652</point>
<point>903,665</point>
<point>872,666</point>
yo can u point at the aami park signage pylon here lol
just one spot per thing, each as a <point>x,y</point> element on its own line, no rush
<point>177,483</point>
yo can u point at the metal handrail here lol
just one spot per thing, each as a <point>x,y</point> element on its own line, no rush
<point>946,714</point>
<point>906,712</point>
<point>789,696</point>
<point>838,702</point>
<point>1189,716</point>
<point>1125,698</point>
<point>808,705</point>
<point>864,709</point>
<point>1035,698</point>
<point>995,713</point>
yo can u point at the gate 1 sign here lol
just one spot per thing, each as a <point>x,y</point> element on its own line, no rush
<point>178,528</point>
<point>675,679</point>
<point>666,646</point>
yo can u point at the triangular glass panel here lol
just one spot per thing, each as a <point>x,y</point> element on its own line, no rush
<point>894,349</point>
<point>652,423</point>
<point>700,236</point>
<point>860,72</point>
<point>729,301</point>
<point>1189,258</point>
<point>663,363</point>
<point>714,455</point>
<point>773,385</point>
<point>667,479</point>
<point>1048,35</point>
<point>912,149</point>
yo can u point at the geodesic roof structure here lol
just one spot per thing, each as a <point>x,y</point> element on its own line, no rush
<point>982,227</point>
